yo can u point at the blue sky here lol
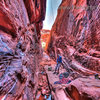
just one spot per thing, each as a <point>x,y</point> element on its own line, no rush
<point>51,13</point>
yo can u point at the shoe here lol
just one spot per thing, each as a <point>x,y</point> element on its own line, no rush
<point>54,73</point>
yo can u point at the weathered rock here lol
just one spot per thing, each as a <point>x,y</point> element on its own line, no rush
<point>20,49</point>
<point>84,89</point>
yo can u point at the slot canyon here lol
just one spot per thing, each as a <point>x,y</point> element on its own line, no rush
<point>28,52</point>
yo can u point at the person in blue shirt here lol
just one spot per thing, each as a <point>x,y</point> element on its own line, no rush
<point>59,62</point>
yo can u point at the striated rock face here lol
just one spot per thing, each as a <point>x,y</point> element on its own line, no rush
<point>76,34</point>
<point>20,49</point>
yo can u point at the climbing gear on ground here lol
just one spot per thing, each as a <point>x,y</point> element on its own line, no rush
<point>63,81</point>
<point>66,74</point>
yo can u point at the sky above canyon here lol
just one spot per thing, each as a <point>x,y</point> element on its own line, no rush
<point>51,13</point>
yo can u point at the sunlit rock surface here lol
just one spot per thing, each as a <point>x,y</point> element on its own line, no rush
<point>76,33</point>
<point>20,49</point>
<point>44,37</point>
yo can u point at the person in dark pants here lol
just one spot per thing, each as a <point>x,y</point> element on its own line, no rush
<point>97,76</point>
<point>59,62</point>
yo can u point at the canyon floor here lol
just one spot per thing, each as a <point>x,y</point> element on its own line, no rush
<point>80,88</point>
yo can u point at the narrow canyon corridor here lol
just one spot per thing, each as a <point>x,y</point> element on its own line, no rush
<point>30,48</point>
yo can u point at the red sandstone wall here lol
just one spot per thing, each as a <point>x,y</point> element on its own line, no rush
<point>20,49</point>
<point>76,33</point>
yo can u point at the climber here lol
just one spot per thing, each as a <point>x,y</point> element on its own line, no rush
<point>59,62</point>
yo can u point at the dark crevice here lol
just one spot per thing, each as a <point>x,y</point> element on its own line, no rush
<point>6,30</point>
<point>30,82</point>
<point>20,78</point>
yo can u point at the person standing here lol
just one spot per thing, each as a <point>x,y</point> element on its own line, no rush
<point>59,62</point>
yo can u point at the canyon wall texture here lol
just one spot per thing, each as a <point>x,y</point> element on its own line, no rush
<point>75,34</point>
<point>20,49</point>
